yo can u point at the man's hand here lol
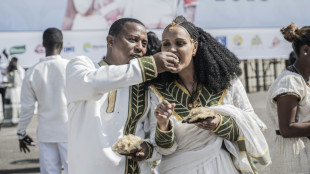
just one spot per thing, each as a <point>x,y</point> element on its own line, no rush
<point>209,124</point>
<point>163,112</point>
<point>24,143</point>
<point>142,154</point>
<point>166,61</point>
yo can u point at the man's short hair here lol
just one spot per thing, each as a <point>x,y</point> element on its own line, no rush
<point>52,38</point>
<point>118,25</point>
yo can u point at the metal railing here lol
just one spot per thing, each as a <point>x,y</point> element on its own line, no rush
<point>258,74</point>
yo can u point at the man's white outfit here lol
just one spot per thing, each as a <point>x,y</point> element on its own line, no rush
<point>45,83</point>
<point>102,107</point>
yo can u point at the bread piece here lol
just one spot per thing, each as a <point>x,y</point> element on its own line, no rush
<point>127,145</point>
<point>198,115</point>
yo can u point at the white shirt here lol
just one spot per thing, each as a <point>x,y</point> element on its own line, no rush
<point>45,83</point>
<point>93,130</point>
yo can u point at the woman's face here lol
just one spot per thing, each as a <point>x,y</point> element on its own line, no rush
<point>178,41</point>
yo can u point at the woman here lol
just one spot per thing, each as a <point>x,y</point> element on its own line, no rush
<point>207,77</point>
<point>15,77</point>
<point>288,107</point>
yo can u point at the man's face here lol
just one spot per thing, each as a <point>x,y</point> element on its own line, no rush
<point>130,43</point>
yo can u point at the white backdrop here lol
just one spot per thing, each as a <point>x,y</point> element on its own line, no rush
<point>245,43</point>
<point>249,28</point>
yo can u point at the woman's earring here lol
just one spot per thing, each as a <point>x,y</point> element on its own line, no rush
<point>306,53</point>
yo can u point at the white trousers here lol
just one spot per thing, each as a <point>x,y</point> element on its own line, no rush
<point>53,156</point>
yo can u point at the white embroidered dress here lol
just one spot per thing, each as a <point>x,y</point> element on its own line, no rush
<point>198,151</point>
<point>289,155</point>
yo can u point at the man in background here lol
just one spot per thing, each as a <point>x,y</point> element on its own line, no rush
<point>45,83</point>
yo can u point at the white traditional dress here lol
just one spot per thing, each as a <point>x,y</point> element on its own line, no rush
<point>44,83</point>
<point>102,108</point>
<point>189,149</point>
<point>12,95</point>
<point>289,155</point>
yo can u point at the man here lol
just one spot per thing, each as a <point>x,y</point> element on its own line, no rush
<point>102,107</point>
<point>45,83</point>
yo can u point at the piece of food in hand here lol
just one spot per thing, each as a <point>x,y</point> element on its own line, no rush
<point>128,145</point>
<point>198,115</point>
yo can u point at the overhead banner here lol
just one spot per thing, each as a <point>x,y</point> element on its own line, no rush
<point>37,15</point>
<point>249,28</point>
<point>28,48</point>
<point>245,43</point>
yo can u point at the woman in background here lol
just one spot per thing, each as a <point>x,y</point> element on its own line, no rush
<point>288,108</point>
<point>15,76</point>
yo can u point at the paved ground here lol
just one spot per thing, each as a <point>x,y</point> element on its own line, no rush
<point>12,161</point>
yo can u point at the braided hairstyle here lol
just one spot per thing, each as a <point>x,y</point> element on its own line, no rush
<point>297,36</point>
<point>215,66</point>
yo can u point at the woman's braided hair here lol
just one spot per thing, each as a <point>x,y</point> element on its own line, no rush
<point>215,66</point>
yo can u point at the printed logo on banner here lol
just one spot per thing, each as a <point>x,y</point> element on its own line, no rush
<point>238,40</point>
<point>221,39</point>
<point>87,47</point>
<point>256,41</point>
<point>69,49</point>
<point>39,49</point>
<point>17,49</point>
<point>275,42</point>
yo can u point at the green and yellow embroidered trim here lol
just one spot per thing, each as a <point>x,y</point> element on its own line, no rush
<point>252,164</point>
<point>236,166</point>
<point>112,94</point>
<point>111,101</point>
<point>175,93</point>
<point>151,150</point>
<point>102,63</point>
<point>241,144</point>
<point>228,129</point>
<point>138,102</point>
<point>132,167</point>
<point>285,94</point>
<point>148,68</point>
<point>263,159</point>
<point>165,139</point>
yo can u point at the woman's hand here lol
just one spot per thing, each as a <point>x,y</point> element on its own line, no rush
<point>162,113</point>
<point>141,154</point>
<point>210,124</point>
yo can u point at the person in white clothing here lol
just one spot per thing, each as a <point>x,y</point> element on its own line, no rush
<point>45,83</point>
<point>288,108</point>
<point>15,75</point>
<point>208,77</point>
<point>103,106</point>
